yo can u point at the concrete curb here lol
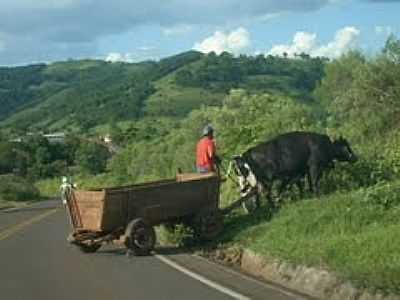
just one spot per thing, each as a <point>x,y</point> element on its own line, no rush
<point>317,283</point>
<point>312,281</point>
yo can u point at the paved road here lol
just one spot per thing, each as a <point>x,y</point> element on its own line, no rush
<point>37,263</point>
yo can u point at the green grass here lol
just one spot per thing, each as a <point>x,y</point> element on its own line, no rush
<point>173,100</point>
<point>347,233</point>
<point>49,187</point>
<point>17,189</point>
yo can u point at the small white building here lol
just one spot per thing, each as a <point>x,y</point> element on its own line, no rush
<point>107,139</point>
<point>58,137</point>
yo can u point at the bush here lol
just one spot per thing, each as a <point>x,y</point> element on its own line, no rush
<point>384,194</point>
<point>177,235</point>
<point>364,173</point>
<point>15,188</point>
<point>49,187</point>
<point>92,157</point>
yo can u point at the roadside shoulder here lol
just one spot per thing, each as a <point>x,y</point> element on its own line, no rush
<point>317,283</point>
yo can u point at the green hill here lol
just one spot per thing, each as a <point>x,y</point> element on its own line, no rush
<point>78,95</point>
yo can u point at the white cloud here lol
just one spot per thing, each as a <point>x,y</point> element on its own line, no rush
<point>304,42</point>
<point>235,42</point>
<point>179,29</point>
<point>119,57</point>
<point>80,24</point>
<point>345,39</point>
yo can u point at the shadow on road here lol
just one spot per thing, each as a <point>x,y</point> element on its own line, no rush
<point>173,250</point>
<point>114,251</point>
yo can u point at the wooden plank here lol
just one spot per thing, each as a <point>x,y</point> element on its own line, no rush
<point>108,209</point>
<point>89,209</point>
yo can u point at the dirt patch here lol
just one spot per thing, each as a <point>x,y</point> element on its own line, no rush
<point>317,283</point>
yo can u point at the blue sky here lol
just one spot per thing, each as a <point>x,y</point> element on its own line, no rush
<point>130,30</point>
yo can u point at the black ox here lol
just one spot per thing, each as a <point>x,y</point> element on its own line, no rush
<point>288,158</point>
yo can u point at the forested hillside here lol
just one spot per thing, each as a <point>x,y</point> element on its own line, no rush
<point>79,95</point>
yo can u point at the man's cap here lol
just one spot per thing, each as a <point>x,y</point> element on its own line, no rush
<point>208,129</point>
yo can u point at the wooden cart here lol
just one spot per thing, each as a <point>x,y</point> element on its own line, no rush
<point>127,214</point>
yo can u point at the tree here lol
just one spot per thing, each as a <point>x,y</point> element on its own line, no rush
<point>7,157</point>
<point>339,76</point>
<point>117,136</point>
<point>92,157</point>
<point>184,77</point>
<point>392,49</point>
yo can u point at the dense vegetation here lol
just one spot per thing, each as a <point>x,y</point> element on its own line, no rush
<point>65,95</point>
<point>351,229</point>
<point>79,95</point>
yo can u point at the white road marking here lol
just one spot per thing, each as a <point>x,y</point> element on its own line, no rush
<point>202,279</point>
<point>249,278</point>
<point>20,226</point>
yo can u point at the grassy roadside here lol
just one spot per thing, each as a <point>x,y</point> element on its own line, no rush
<point>354,234</point>
<point>16,191</point>
<point>49,187</point>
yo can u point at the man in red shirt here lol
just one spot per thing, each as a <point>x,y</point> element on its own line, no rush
<point>206,157</point>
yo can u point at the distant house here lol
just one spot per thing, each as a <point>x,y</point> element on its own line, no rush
<point>16,140</point>
<point>107,139</point>
<point>58,137</point>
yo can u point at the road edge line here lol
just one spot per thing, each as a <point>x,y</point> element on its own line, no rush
<point>271,285</point>
<point>202,279</point>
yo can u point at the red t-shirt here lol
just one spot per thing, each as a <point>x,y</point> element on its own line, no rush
<point>205,153</point>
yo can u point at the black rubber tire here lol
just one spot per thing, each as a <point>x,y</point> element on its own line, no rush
<point>251,204</point>
<point>140,237</point>
<point>85,248</point>
<point>208,224</point>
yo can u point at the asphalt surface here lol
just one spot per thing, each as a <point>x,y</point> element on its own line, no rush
<point>36,262</point>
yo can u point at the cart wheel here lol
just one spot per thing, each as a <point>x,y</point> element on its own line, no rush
<point>208,224</point>
<point>89,248</point>
<point>140,237</point>
<point>251,204</point>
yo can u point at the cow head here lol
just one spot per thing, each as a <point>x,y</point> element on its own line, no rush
<point>343,151</point>
<point>246,177</point>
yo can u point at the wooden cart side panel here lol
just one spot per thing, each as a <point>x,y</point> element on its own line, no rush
<point>89,209</point>
<point>109,209</point>
<point>177,200</point>
<point>117,209</point>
